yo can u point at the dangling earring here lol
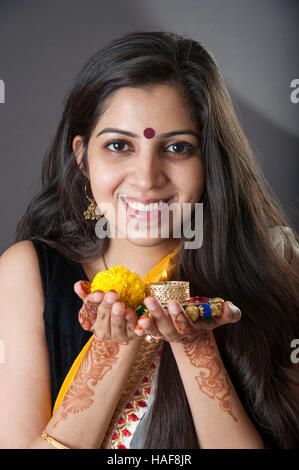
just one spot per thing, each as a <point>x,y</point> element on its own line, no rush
<point>92,211</point>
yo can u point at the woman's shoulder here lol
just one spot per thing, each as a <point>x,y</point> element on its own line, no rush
<point>19,256</point>
<point>20,273</point>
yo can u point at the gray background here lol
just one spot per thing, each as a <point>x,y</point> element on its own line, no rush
<point>44,43</point>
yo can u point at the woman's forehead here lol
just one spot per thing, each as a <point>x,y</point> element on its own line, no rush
<point>160,108</point>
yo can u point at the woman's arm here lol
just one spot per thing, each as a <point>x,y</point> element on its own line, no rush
<point>83,417</point>
<point>25,399</point>
<point>219,418</point>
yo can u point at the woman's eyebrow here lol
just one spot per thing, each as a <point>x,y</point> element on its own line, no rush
<point>161,136</point>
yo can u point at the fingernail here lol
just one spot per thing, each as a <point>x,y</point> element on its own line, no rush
<point>111,297</point>
<point>98,291</point>
<point>174,308</point>
<point>144,322</point>
<point>96,296</point>
<point>117,309</point>
<point>150,304</point>
<point>138,330</point>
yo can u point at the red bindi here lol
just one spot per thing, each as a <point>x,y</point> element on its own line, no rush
<point>149,133</point>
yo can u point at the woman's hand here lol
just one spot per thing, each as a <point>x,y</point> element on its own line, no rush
<point>103,314</point>
<point>177,326</point>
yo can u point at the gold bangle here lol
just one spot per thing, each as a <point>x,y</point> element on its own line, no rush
<point>52,441</point>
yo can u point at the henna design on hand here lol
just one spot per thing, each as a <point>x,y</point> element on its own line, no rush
<point>183,326</point>
<point>212,380</point>
<point>99,359</point>
<point>87,315</point>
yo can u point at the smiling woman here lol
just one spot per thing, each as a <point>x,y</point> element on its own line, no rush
<point>148,125</point>
<point>141,170</point>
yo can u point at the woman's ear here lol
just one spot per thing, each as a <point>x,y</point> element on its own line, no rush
<point>79,149</point>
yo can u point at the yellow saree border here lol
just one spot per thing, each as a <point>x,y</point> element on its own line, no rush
<point>161,272</point>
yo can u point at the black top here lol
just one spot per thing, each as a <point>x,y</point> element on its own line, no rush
<point>65,337</point>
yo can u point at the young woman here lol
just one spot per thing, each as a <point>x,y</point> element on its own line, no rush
<point>149,121</point>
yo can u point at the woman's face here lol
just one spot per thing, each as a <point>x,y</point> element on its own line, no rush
<point>128,166</point>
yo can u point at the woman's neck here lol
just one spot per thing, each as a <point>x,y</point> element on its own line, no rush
<point>138,259</point>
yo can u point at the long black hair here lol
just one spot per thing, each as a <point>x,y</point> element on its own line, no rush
<point>237,260</point>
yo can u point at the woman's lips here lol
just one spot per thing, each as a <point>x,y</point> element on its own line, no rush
<point>146,215</point>
<point>144,201</point>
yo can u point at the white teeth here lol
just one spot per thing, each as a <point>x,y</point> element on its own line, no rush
<point>145,207</point>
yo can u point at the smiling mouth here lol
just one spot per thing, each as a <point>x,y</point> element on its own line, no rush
<point>138,206</point>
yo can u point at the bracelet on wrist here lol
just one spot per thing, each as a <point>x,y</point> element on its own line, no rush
<point>53,442</point>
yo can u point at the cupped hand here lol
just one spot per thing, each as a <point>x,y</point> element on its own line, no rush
<point>103,314</point>
<point>177,326</point>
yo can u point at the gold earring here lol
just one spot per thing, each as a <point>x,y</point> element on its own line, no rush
<point>92,211</point>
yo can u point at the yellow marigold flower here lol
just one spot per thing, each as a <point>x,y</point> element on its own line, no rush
<point>129,285</point>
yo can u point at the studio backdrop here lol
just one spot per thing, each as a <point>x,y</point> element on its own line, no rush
<point>44,43</point>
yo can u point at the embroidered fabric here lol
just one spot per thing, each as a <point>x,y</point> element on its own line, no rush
<point>131,426</point>
<point>141,431</point>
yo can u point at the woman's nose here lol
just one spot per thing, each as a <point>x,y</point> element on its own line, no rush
<point>148,172</point>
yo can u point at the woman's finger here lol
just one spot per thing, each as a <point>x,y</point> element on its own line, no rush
<point>230,314</point>
<point>149,327</point>
<point>82,289</point>
<point>162,322</point>
<point>182,323</point>
<point>104,311</point>
<point>118,322</point>
<point>131,319</point>
<point>89,310</point>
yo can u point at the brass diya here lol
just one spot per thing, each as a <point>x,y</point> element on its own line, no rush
<point>166,290</point>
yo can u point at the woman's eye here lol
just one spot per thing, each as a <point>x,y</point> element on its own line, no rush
<point>181,147</point>
<point>117,146</point>
<point>121,146</point>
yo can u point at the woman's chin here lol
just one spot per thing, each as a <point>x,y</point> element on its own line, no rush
<point>147,242</point>
<point>143,237</point>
